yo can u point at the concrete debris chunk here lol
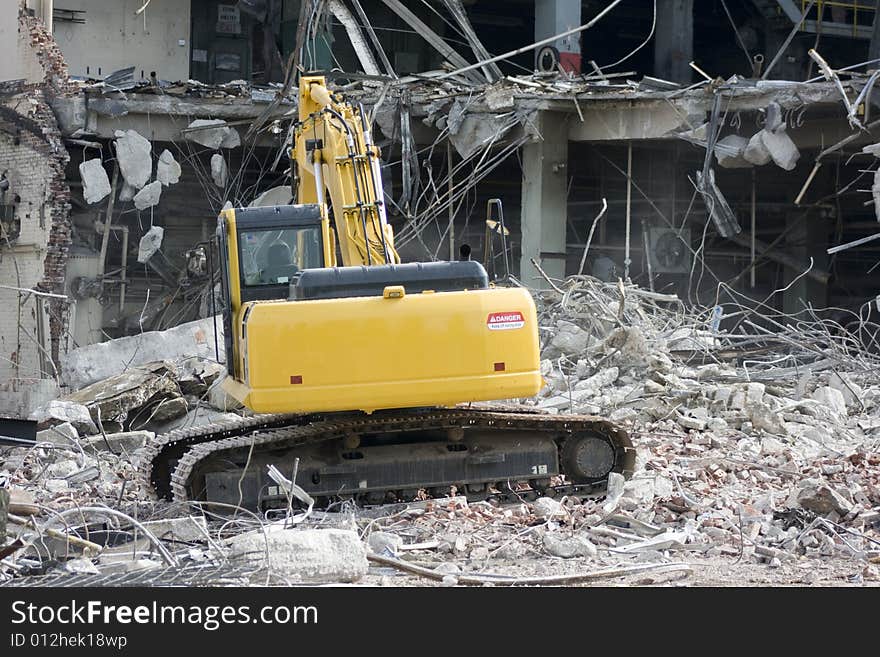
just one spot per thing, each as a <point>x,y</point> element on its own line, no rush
<point>102,360</point>
<point>133,155</point>
<point>208,132</point>
<point>59,411</point>
<point>304,555</point>
<point>219,171</point>
<point>148,196</point>
<point>756,152</point>
<point>151,241</point>
<point>117,443</point>
<point>61,434</point>
<point>134,397</point>
<point>231,140</point>
<point>499,98</point>
<point>384,543</point>
<point>781,148</point>
<point>729,152</point>
<point>547,507</point>
<point>96,184</point>
<point>168,169</point>
<point>831,399</point>
<point>822,499</point>
<point>569,547</point>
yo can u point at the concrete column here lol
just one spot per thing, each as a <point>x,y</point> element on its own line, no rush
<point>544,201</point>
<point>674,40</point>
<point>555,17</point>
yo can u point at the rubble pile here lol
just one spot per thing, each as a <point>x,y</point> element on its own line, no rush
<point>758,441</point>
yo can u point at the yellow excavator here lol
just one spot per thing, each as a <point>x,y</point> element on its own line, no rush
<point>363,371</point>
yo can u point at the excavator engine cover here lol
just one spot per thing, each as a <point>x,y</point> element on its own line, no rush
<point>389,347</point>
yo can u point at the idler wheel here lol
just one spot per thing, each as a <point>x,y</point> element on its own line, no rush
<point>587,458</point>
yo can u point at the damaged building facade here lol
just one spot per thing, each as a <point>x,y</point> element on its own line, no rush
<point>692,148</point>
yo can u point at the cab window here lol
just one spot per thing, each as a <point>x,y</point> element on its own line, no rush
<point>273,256</point>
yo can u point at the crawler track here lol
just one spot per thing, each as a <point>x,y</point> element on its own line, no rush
<point>389,455</point>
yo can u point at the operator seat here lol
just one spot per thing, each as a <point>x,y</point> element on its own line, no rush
<point>278,264</point>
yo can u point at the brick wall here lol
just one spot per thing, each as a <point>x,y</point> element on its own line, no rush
<point>32,331</point>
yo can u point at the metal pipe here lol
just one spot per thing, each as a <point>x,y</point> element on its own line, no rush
<point>451,205</point>
<point>629,164</point>
<point>376,177</point>
<point>102,258</point>
<point>754,209</point>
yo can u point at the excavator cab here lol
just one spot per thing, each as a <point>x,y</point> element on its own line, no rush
<point>303,338</point>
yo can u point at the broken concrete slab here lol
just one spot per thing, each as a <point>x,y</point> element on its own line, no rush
<point>570,339</point>
<point>133,154</point>
<point>133,394</point>
<point>96,184</point>
<point>62,434</point>
<point>304,555</point>
<point>167,169</point>
<point>851,391</point>
<point>221,400</point>
<point>125,442</point>
<point>151,241</point>
<point>219,171</point>
<point>100,361</point>
<point>148,196</point>
<point>59,411</point>
<point>197,416</point>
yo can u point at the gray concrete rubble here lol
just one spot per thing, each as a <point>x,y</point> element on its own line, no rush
<point>133,153</point>
<point>134,398</point>
<point>96,184</point>
<point>212,133</point>
<point>729,152</point>
<point>167,169</point>
<point>766,462</point>
<point>151,241</point>
<point>148,196</point>
<point>65,412</point>
<point>719,445</point>
<point>125,442</point>
<point>307,556</point>
<point>99,361</point>
<point>219,170</point>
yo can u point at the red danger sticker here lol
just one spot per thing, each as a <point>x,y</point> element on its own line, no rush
<point>505,321</point>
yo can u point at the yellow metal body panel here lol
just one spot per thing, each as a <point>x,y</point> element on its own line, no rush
<point>371,353</point>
